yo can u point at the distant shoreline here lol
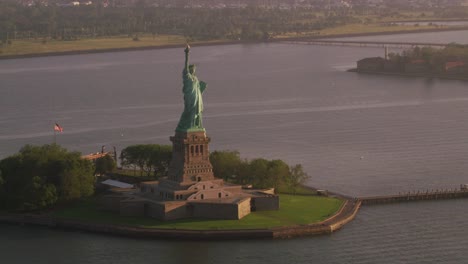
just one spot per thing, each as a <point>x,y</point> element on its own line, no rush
<point>428,20</point>
<point>106,50</point>
<point>233,42</point>
<point>380,33</point>
<point>420,75</point>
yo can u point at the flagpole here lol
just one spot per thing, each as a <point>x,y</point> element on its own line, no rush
<point>57,128</point>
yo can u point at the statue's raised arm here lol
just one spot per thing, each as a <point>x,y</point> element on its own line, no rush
<point>187,51</point>
<point>191,119</point>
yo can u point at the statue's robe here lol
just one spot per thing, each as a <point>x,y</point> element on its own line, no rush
<point>193,102</point>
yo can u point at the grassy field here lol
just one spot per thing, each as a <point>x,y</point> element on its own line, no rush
<point>20,47</point>
<point>300,190</point>
<point>370,28</point>
<point>294,210</point>
<point>358,29</point>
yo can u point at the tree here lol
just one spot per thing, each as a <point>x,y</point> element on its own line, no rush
<point>105,164</point>
<point>2,193</point>
<point>39,176</point>
<point>297,177</point>
<point>258,169</point>
<point>130,156</point>
<point>150,158</point>
<point>159,158</point>
<point>76,178</point>
<point>226,164</point>
<point>261,173</point>
<point>40,194</point>
<point>278,173</point>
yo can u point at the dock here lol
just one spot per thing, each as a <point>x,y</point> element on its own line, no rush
<point>361,43</point>
<point>416,196</point>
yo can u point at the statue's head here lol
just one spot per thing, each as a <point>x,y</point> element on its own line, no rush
<point>192,68</point>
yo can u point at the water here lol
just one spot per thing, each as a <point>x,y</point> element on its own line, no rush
<point>356,134</point>
<point>426,232</point>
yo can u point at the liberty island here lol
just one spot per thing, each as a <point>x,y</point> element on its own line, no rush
<point>191,189</point>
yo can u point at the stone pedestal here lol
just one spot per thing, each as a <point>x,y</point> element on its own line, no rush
<point>190,158</point>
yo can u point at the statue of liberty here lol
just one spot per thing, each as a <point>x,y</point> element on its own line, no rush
<point>191,119</point>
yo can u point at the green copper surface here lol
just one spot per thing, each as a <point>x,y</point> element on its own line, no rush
<point>191,118</point>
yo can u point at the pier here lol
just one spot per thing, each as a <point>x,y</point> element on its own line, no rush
<point>416,196</point>
<point>360,43</point>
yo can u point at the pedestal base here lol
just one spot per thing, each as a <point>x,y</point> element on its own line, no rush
<point>190,158</point>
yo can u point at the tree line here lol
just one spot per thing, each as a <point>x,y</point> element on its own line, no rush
<point>153,160</point>
<point>435,58</point>
<point>149,159</point>
<point>250,23</point>
<point>253,22</point>
<point>39,177</point>
<point>259,172</point>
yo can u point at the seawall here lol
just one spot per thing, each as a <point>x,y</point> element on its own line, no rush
<point>346,213</point>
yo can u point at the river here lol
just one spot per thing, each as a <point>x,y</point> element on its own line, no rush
<point>355,134</point>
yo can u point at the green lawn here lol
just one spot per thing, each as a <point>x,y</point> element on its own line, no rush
<point>300,190</point>
<point>294,210</point>
<point>357,29</point>
<point>371,28</point>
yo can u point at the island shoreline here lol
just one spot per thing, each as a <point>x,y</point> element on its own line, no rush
<point>344,215</point>
<point>412,75</point>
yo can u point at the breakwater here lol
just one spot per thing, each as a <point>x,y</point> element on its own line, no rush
<point>416,196</point>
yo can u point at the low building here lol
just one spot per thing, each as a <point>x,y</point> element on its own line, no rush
<point>146,203</point>
<point>116,184</point>
<point>391,66</point>
<point>455,67</point>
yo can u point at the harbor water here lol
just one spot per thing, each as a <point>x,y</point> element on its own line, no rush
<point>356,134</point>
